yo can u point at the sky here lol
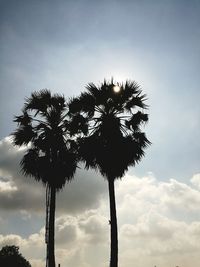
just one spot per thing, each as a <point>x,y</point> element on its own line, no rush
<point>63,45</point>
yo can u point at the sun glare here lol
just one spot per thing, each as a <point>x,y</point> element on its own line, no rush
<point>116,89</point>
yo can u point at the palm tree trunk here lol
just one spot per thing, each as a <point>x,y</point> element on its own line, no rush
<point>51,229</point>
<point>113,225</point>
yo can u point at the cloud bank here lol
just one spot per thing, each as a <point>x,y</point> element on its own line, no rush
<point>159,221</point>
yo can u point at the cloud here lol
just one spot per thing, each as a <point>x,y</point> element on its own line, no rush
<point>94,227</point>
<point>7,186</point>
<point>149,234</point>
<point>32,248</point>
<point>196,180</point>
<point>66,230</point>
<point>10,157</point>
<point>76,237</point>
<point>23,193</point>
<point>158,221</point>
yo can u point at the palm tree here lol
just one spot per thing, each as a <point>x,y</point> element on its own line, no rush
<point>51,154</point>
<point>113,115</point>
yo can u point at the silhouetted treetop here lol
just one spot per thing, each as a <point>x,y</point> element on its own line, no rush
<point>51,156</point>
<point>112,116</point>
<point>10,257</point>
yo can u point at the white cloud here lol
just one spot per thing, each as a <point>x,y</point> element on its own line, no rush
<point>66,230</point>
<point>159,222</point>
<point>10,240</point>
<point>94,227</point>
<point>7,186</point>
<point>196,180</point>
<point>76,237</point>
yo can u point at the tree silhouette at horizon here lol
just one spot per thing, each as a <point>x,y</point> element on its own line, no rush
<point>10,256</point>
<point>51,153</point>
<point>112,114</point>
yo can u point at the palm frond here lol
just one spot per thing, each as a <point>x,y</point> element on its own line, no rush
<point>78,124</point>
<point>136,119</point>
<point>29,164</point>
<point>74,106</point>
<point>23,135</point>
<point>93,90</point>
<point>39,101</point>
<point>58,102</point>
<point>24,119</point>
<point>136,101</point>
<point>141,139</point>
<point>87,103</point>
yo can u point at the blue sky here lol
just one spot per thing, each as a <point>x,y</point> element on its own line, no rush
<point>63,45</point>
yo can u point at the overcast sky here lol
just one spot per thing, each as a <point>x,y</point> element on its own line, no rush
<point>63,45</point>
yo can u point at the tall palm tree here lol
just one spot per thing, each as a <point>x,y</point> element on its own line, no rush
<point>51,154</point>
<point>113,115</point>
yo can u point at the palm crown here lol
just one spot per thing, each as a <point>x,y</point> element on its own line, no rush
<point>51,156</point>
<point>112,119</point>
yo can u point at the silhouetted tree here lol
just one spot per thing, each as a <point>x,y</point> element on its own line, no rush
<point>113,115</point>
<point>10,256</point>
<point>51,154</point>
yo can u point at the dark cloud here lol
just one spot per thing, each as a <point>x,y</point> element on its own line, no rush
<point>23,193</point>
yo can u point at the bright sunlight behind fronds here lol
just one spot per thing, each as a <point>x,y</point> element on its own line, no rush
<point>116,88</point>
